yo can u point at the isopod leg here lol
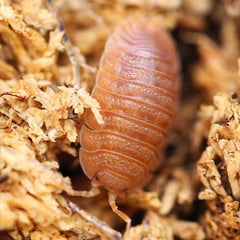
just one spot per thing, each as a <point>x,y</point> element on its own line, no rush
<point>94,191</point>
<point>112,202</point>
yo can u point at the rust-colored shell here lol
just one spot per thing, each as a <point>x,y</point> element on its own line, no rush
<point>137,87</point>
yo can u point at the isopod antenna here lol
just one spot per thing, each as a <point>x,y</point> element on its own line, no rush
<point>69,49</point>
<point>112,202</point>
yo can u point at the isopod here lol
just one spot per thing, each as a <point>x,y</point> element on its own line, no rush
<point>137,87</point>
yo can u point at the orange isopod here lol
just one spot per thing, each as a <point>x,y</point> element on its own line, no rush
<point>137,87</point>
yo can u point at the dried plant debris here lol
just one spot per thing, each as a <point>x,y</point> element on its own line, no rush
<point>157,227</point>
<point>39,108</point>
<point>88,22</point>
<point>173,189</point>
<point>45,79</point>
<point>218,169</point>
<point>187,230</point>
<point>217,70</point>
<point>152,227</point>
<point>43,115</point>
<point>30,201</point>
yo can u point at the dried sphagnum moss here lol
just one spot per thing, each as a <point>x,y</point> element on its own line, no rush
<point>218,169</point>
<point>30,202</point>
<point>41,106</point>
<point>217,73</point>
<point>36,112</point>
